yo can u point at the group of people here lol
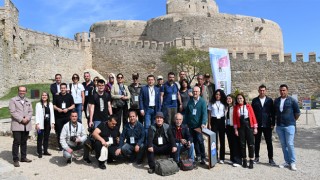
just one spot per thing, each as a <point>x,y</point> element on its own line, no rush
<point>163,118</point>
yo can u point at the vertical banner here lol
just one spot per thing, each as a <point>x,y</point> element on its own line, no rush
<point>221,70</point>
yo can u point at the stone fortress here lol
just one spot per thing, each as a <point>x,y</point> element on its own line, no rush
<point>255,47</point>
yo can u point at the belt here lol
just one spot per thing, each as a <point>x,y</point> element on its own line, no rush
<point>152,107</point>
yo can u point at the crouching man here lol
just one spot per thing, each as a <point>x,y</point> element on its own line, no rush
<point>183,138</point>
<point>160,141</point>
<point>133,133</point>
<point>72,138</point>
<point>106,135</point>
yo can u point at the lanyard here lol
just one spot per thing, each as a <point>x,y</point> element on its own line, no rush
<point>75,89</point>
<point>218,106</point>
<point>151,90</point>
<point>70,128</point>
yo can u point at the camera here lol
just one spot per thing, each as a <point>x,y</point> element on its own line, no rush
<point>73,138</point>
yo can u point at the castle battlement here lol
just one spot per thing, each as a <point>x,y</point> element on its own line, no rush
<point>186,42</point>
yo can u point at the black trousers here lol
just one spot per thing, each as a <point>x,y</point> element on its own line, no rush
<point>19,140</point>
<point>218,126</point>
<point>164,149</point>
<point>267,133</point>
<point>198,143</point>
<point>246,136</point>
<point>121,112</point>
<point>234,145</point>
<point>43,138</point>
<point>111,150</point>
<point>59,123</point>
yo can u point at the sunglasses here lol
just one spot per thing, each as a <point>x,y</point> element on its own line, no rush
<point>75,77</point>
<point>120,77</point>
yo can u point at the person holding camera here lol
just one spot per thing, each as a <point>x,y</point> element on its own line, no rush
<point>245,125</point>
<point>44,123</point>
<point>183,138</point>
<point>73,137</point>
<point>106,135</point>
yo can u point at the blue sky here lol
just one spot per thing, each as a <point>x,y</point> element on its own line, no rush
<point>299,20</point>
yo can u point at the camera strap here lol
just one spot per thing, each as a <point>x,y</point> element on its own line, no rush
<point>70,128</point>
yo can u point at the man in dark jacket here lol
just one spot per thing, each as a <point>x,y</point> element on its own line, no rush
<point>183,138</point>
<point>263,109</point>
<point>160,141</point>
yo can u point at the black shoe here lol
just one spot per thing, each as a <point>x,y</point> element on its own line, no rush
<point>39,155</point>
<point>102,166</point>
<point>272,163</point>
<point>203,161</point>
<point>109,161</point>
<point>256,160</point>
<point>244,163</point>
<point>198,158</point>
<point>46,154</point>
<point>69,161</point>
<point>150,171</point>
<point>26,160</point>
<point>251,164</point>
<point>87,160</point>
<point>16,164</point>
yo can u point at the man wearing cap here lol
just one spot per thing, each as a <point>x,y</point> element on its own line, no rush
<point>134,90</point>
<point>160,141</point>
<point>159,81</point>
<point>210,85</point>
<point>170,97</point>
<point>197,115</point>
<point>149,102</point>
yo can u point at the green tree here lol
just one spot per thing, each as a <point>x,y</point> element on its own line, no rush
<point>192,61</point>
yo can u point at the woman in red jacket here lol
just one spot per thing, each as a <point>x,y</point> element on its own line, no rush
<point>245,125</point>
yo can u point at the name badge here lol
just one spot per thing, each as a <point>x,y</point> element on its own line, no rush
<point>86,93</point>
<point>194,112</point>
<point>136,98</point>
<point>132,140</point>
<point>228,121</point>
<point>174,97</point>
<point>47,116</point>
<point>63,105</point>
<point>101,101</point>
<point>160,140</point>
<point>110,140</point>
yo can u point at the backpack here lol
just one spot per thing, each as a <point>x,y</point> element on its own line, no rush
<point>166,167</point>
<point>186,164</point>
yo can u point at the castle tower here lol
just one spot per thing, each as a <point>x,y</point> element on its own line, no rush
<point>207,7</point>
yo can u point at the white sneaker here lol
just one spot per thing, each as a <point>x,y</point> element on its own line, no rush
<point>284,165</point>
<point>293,167</point>
<point>236,165</point>
<point>221,162</point>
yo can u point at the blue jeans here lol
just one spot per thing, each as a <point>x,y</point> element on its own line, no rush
<point>96,123</point>
<point>286,136</point>
<point>128,151</point>
<point>181,148</point>
<point>78,108</point>
<point>149,119</point>
<point>198,143</point>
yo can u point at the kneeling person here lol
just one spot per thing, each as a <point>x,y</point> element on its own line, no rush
<point>183,138</point>
<point>160,141</point>
<point>133,133</point>
<point>72,138</point>
<point>107,135</point>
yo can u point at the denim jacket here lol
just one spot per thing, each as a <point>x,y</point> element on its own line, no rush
<point>290,110</point>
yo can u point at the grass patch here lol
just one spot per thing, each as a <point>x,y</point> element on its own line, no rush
<point>5,113</point>
<point>14,91</point>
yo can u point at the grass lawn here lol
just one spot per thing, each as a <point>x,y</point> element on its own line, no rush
<point>4,112</point>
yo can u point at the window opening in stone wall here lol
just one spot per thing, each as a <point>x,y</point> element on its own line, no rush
<point>202,7</point>
<point>189,5</point>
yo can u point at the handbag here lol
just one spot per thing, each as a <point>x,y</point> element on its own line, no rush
<point>186,165</point>
<point>120,103</point>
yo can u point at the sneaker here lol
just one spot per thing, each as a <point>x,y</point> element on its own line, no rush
<point>272,163</point>
<point>284,165</point>
<point>69,161</point>
<point>256,160</point>
<point>16,164</point>
<point>87,160</point>
<point>102,166</point>
<point>236,165</point>
<point>221,162</point>
<point>293,167</point>
<point>150,171</point>
<point>203,161</point>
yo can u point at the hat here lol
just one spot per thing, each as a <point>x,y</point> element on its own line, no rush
<point>207,75</point>
<point>159,114</point>
<point>103,154</point>
<point>159,77</point>
<point>135,75</point>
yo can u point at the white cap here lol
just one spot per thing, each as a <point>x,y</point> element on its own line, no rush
<point>159,77</point>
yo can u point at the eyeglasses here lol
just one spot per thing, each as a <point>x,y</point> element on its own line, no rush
<point>75,77</point>
<point>120,77</point>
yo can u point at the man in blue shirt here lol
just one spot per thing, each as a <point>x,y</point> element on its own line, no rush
<point>287,113</point>
<point>133,133</point>
<point>170,97</point>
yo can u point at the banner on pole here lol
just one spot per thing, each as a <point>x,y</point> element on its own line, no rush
<point>221,70</point>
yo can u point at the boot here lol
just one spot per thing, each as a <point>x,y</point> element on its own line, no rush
<point>244,163</point>
<point>251,164</point>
